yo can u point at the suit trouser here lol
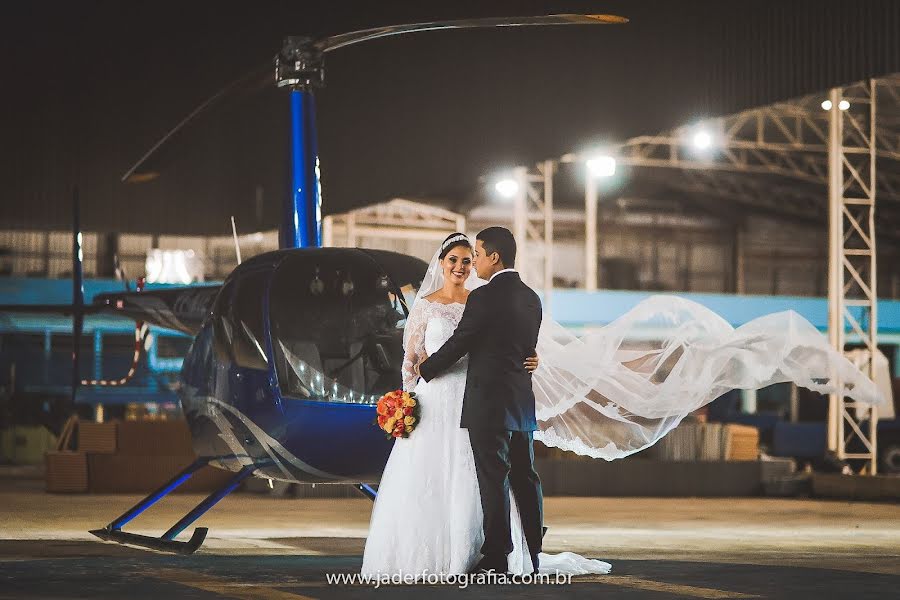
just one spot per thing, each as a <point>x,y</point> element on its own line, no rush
<point>504,461</point>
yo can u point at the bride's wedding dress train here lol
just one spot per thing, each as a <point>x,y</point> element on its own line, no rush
<point>622,387</point>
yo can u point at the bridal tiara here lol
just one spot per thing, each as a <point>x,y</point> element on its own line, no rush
<point>455,238</point>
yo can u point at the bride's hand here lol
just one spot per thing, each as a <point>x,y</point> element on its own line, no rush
<point>532,363</point>
<point>418,363</point>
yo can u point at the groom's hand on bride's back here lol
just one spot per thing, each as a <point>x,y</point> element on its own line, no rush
<point>532,363</point>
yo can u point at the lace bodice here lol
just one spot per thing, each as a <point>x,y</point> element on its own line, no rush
<point>430,324</point>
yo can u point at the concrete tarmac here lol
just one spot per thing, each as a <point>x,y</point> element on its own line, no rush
<point>261,547</point>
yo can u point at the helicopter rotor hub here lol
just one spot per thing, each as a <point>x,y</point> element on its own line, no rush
<point>300,64</point>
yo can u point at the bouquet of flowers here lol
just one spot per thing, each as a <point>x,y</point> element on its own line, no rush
<point>398,412</point>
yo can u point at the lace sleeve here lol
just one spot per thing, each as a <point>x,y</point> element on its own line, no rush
<point>413,345</point>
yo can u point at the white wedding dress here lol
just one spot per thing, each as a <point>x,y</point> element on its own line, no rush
<point>428,517</point>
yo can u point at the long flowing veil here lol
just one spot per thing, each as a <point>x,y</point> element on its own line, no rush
<point>621,388</point>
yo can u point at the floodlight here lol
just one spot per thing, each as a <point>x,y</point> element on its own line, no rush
<point>507,188</point>
<point>601,166</point>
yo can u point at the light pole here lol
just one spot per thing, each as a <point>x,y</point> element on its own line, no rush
<point>515,188</point>
<point>531,197</point>
<point>598,166</point>
<point>520,221</point>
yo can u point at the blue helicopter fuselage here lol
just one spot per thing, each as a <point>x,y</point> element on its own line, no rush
<point>287,367</point>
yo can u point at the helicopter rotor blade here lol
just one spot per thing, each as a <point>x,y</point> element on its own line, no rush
<point>346,39</point>
<point>262,74</point>
<point>250,79</point>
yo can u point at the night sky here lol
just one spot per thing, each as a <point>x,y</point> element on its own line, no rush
<point>89,86</point>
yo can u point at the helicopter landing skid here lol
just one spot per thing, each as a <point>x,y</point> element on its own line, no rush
<point>167,542</point>
<point>367,490</point>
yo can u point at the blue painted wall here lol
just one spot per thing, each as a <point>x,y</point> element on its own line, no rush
<point>26,290</point>
<point>572,308</point>
<point>578,308</point>
<point>46,369</point>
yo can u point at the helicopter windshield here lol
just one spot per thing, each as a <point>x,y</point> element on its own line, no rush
<point>238,321</point>
<point>337,319</point>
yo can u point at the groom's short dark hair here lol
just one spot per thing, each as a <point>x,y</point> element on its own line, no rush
<point>501,241</point>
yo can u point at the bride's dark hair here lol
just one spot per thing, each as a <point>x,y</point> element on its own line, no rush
<point>454,240</point>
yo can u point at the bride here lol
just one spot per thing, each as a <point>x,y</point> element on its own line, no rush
<point>606,395</point>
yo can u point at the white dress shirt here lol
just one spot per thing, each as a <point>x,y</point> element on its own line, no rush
<point>498,272</point>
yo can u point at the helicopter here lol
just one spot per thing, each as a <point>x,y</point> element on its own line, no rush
<point>292,351</point>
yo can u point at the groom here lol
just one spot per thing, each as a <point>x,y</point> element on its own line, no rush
<point>498,330</point>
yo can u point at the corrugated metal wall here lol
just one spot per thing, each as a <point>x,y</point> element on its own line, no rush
<point>776,50</point>
<point>425,115</point>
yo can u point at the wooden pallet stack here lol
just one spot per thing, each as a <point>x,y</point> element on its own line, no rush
<point>690,441</point>
<point>698,441</point>
<point>743,442</point>
<point>125,457</point>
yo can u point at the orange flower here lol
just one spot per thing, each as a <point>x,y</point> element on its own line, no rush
<point>396,413</point>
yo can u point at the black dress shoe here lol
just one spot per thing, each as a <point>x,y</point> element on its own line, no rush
<point>494,572</point>
<point>486,564</point>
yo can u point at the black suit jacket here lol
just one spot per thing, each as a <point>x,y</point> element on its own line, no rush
<point>498,331</point>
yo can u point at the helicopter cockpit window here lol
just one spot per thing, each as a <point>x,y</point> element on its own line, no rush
<point>406,273</point>
<point>238,323</point>
<point>336,321</point>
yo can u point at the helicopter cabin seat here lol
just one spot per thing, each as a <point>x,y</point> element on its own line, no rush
<point>349,370</point>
